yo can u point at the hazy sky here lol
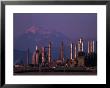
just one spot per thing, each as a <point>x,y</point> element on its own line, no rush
<point>73,25</point>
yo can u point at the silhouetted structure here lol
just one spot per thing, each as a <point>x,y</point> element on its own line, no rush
<point>75,56</point>
<point>81,57</point>
<point>49,53</point>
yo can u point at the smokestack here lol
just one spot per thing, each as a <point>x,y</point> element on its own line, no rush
<point>71,52</point>
<point>42,54</point>
<point>90,46</point>
<point>36,55</point>
<point>80,40</point>
<point>36,48</point>
<point>49,52</point>
<point>62,51</point>
<point>28,56</point>
<point>93,46</point>
<point>33,58</point>
<point>80,45</point>
<point>75,56</point>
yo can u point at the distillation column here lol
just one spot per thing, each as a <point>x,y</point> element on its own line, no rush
<point>49,53</point>
<point>62,52</point>
<point>37,55</point>
<point>42,55</point>
<point>90,47</point>
<point>75,56</point>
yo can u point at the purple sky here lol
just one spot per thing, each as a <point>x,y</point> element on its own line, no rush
<point>73,25</point>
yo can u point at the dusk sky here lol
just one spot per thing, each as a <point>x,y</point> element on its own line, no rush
<point>61,26</point>
<point>73,25</point>
<point>31,29</point>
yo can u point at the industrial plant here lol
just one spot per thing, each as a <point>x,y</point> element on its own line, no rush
<point>78,60</point>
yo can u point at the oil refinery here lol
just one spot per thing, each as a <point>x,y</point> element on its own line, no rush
<point>78,61</point>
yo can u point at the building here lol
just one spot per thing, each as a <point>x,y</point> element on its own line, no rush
<point>81,61</point>
<point>58,62</point>
<point>81,57</point>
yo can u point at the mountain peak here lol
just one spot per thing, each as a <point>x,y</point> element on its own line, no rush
<point>33,29</point>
